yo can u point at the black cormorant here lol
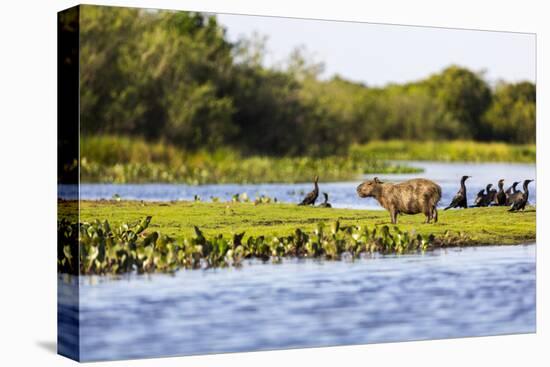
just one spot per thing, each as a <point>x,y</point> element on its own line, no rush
<point>491,195</point>
<point>461,199</point>
<point>519,199</point>
<point>325,204</point>
<point>510,191</point>
<point>484,197</point>
<point>501,195</point>
<point>479,197</point>
<point>312,196</point>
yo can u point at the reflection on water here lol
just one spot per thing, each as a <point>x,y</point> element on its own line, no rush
<point>442,294</point>
<point>342,194</point>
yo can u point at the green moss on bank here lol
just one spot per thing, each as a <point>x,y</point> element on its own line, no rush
<point>483,226</point>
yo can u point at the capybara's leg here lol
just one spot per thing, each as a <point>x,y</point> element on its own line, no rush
<point>428,214</point>
<point>393,214</point>
<point>434,215</point>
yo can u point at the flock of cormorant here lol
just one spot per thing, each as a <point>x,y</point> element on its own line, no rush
<point>516,199</point>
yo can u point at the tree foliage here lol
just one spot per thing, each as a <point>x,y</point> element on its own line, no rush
<point>512,115</point>
<point>175,77</point>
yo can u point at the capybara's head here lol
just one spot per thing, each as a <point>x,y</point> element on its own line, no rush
<point>368,188</point>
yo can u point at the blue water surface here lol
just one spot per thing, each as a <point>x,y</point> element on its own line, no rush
<point>341,194</point>
<point>305,303</point>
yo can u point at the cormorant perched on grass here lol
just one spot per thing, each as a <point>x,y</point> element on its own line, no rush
<point>501,195</point>
<point>479,197</point>
<point>312,196</point>
<point>491,195</point>
<point>510,191</point>
<point>326,204</point>
<point>519,199</point>
<point>461,199</point>
<point>484,198</point>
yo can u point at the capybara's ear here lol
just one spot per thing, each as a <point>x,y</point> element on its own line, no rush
<point>377,180</point>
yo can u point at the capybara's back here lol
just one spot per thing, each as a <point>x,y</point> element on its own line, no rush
<point>414,196</point>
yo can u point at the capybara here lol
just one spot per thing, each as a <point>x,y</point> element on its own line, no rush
<point>409,197</point>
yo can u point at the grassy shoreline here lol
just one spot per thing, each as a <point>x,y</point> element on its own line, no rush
<point>482,226</point>
<point>447,151</point>
<point>114,159</point>
<point>122,237</point>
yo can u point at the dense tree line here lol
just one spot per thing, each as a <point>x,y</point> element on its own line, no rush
<point>174,76</point>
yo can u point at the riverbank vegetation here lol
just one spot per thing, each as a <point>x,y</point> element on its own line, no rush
<point>128,247</point>
<point>447,151</point>
<point>148,230</point>
<point>132,160</point>
<point>176,78</point>
<point>492,225</point>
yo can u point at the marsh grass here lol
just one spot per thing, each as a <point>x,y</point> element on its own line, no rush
<point>114,159</point>
<point>446,151</point>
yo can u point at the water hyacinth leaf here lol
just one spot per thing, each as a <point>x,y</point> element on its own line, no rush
<point>150,239</point>
<point>198,233</point>
<point>143,224</point>
<point>122,249</point>
<point>67,253</point>
<point>334,227</point>
<point>237,238</point>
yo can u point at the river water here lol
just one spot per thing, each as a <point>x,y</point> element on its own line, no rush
<point>341,194</point>
<point>305,303</point>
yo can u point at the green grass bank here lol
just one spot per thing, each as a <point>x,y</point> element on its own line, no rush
<point>482,226</point>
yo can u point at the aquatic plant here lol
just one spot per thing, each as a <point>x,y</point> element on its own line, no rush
<point>129,247</point>
<point>244,198</point>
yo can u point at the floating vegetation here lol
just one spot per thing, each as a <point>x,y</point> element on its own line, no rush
<point>264,199</point>
<point>131,248</point>
<point>244,198</point>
